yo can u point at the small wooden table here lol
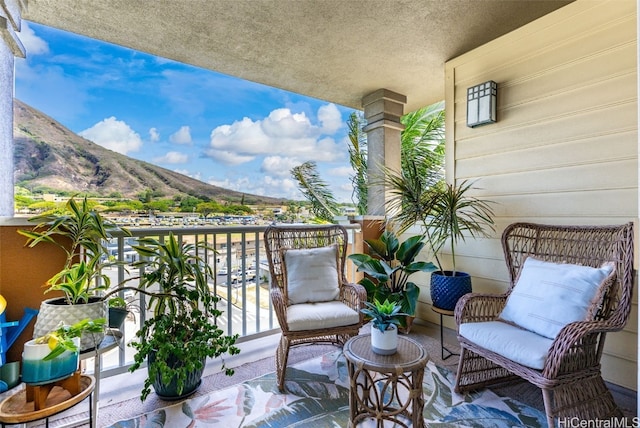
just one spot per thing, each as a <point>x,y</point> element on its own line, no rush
<point>15,409</point>
<point>386,387</point>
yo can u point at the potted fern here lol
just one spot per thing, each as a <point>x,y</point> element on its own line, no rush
<point>81,232</point>
<point>183,330</point>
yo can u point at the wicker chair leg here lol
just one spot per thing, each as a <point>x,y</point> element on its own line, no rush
<point>282,355</point>
<point>548,406</point>
<point>587,398</point>
<point>463,355</point>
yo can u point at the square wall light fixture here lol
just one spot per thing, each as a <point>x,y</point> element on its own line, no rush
<point>481,104</point>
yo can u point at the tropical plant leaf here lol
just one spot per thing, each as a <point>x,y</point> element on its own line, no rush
<point>316,191</point>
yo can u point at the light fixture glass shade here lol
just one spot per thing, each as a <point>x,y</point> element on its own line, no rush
<point>481,104</point>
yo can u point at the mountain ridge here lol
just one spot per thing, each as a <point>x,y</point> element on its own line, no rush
<point>43,148</point>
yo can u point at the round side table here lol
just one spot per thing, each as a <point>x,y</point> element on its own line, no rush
<point>386,387</point>
<point>18,408</point>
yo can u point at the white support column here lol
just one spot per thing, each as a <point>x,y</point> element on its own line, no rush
<point>382,110</point>
<point>10,47</point>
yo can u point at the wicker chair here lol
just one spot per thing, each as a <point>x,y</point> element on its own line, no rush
<point>279,239</point>
<point>571,382</point>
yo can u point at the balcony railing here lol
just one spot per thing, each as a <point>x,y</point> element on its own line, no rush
<point>241,281</point>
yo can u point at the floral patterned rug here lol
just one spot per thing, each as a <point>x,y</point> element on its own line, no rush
<point>317,395</point>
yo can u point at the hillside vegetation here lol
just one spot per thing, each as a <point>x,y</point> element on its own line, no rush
<point>49,158</point>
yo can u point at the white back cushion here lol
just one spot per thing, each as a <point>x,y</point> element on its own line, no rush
<point>547,296</point>
<point>312,274</point>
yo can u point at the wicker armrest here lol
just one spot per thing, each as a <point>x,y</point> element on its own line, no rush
<point>279,307</point>
<point>573,350</point>
<point>354,296</point>
<point>478,307</point>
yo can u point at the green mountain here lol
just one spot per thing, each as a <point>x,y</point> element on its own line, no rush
<point>48,155</point>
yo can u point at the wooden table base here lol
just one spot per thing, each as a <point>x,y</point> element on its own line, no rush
<point>39,393</point>
<point>52,399</point>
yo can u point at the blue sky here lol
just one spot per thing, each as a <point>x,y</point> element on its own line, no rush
<point>221,130</point>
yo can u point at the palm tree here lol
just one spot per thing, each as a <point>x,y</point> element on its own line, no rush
<point>358,161</point>
<point>422,161</point>
<point>323,203</point>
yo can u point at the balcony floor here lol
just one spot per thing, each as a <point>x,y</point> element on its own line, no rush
<point>256,358</point>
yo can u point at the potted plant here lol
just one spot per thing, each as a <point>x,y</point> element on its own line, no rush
<point>55,355</point>
<point>385,318</point>
<point>81,232</point>
<point>182,332</point>
<point>119,309</point>
<point>448,213</point>
<point>388,269</point>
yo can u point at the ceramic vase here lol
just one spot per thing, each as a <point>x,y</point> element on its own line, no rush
<point>54,311</point>
<point>384,342</point>
<point>37,371</point>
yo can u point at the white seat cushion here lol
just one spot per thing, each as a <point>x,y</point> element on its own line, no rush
<point>312,274</point>
<point>519,345</point>
<point>547,296</point>
<point>311,316</point>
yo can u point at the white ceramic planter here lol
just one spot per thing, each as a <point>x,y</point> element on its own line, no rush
<point>384,343</point>
<point>35,370</point>
<point>55,311</point>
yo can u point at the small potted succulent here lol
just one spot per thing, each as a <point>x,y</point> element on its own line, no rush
<point>385,318</point>
<point>55,355</point>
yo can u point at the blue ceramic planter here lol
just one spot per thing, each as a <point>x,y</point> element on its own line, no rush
<point>446,290</point>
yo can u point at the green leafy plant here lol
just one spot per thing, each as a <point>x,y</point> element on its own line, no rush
<point>447,212</point>
<point>80,232</point>
<point>383,314</point>
<point>183,331</point>
<point>61,339</point>
<point>389,267</point>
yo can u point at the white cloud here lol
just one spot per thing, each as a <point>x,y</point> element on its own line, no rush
<point>343,171</point>
<point>278,165</point>
<point>228,158</point>
<point>282,133</point>
<point>330,118</point>
<point>181,136</point>
<point>32,43</point>
<point>265,186</point>
<point>172,158</point>
<point>113,134</point>
<point>154,135</point>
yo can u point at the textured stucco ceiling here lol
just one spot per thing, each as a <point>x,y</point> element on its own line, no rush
<point>335,50</point>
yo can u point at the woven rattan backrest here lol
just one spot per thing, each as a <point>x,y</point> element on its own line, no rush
<point>582,245</point>
<point>277,238</point>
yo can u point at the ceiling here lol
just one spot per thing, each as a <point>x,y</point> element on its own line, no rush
<point>334,50</point>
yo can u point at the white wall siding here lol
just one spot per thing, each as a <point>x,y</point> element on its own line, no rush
<point>565,147</point>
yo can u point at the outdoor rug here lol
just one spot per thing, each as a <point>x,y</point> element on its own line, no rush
<point>317,395</point>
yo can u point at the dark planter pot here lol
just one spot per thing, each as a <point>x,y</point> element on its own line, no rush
<point>169,392</point>
<point>117,317</point>
<point>446,290</point>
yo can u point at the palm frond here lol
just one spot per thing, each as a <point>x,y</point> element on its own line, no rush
<point>316,191</point>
